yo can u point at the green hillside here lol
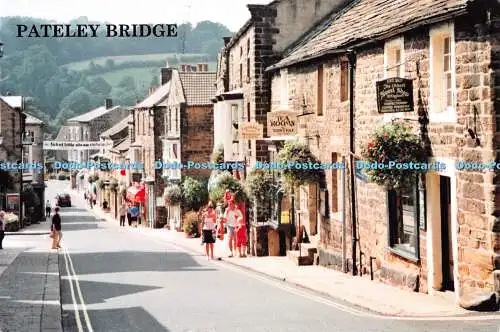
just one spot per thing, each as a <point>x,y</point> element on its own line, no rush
<point>84,65</point>
<point>142,76</point>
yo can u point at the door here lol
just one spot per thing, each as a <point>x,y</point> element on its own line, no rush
<point>446,242</point>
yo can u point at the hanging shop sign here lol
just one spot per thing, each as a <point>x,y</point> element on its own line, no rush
<point>395,95</point>
<point>77,145</point>
<point>282,123</point>
<point>251,130</point>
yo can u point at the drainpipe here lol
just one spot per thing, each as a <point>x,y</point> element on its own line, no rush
<point>352,66</point>
<point>342,220</point>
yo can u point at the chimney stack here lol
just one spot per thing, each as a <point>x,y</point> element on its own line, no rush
<point>188,68</point>
<point>205,67</point>
<point>108,103</point>
<point>165,75</point>
<point>199,67</point>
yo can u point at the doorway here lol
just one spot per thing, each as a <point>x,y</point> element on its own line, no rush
<point>446,235</point>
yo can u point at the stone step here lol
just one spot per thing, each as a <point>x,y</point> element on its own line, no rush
<point>299,260</point>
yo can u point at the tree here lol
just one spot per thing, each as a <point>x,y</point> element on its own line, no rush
<point>99,85</point>
<point>110,64</point>
<point>77,101</point>
<point>127,82</point>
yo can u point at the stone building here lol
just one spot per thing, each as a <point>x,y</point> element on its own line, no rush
<point>449,49</point>
<point>244,87</point>
<point>189,124</point>
<point>146,133</point>
<point>12,123</point>
<point>33,153</point>
<point>88,127</point>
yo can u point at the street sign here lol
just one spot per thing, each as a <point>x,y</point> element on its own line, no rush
<point>251,131</point>
<point>77,145</point>
<point>282,123</point>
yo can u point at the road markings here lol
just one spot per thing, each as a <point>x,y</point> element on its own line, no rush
<point>73,296</point>
<point>74,277</point>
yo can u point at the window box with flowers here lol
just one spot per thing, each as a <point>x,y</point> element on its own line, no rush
<point>393,152</point>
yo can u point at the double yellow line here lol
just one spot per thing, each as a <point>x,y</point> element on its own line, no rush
<point>72,277</point>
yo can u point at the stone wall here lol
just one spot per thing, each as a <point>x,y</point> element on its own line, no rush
<point>197,137</point>
<point>10,131</point>
<point>477,199</point>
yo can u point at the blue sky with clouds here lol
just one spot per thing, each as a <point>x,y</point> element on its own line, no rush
<point>232,13</point>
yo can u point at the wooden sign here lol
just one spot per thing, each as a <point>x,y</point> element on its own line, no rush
<point>251,130</point>
<point>395,95</point>
<point>282,123</point>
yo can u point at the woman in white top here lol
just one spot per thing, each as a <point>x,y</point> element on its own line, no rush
<point>208,223</point>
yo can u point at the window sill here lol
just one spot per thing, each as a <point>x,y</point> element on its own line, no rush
<point>404,254</point>
<point>447,116</point>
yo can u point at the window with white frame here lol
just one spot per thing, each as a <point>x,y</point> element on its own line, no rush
<point>284,88</point>
<point>442,69</point>
<point>394,58</point>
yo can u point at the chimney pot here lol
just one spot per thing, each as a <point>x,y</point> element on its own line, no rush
<point>108,103</point>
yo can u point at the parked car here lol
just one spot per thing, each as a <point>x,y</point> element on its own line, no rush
<point>64,200</point>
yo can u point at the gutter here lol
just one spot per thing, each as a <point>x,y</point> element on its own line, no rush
<point>377,38</point>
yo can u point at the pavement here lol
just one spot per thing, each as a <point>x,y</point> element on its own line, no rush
<point>29,282</point>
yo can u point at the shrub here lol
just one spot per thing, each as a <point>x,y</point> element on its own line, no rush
<point>191,223</point>
<point>52,176</point>
<point>225,181</point>
<point>173,195</point>
<point>194,193</point>
<point>299,154</point>
<point>29,197</point>
<point>394,143</point>
<point>218,154</point>
<point>12,223</point>
<point>262,188</point>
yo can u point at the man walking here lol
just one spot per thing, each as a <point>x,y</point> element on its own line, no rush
<point>48,209</point>
<point>56,229</point>
<point>123,213</point>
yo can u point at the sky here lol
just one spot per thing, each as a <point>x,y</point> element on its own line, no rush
<point>232,13</point>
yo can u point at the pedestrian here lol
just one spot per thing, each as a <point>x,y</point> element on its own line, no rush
<point>208,229</point>
<point>134,213</point>
<point>3,221</point>
<point>241,237</point>
<point>129,217</point>
<point>56,229</point>
<point>48,209</point>
<point>231,217</point>
<point>123,213</point>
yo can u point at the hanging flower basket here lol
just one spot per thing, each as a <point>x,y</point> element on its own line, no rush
<point>173,195</point>
<point>297,156</point>
<point>392,152</point>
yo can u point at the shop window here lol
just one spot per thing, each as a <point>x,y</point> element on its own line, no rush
<point>393,58</point>
<point>442,69</point>
<point>403,221</point>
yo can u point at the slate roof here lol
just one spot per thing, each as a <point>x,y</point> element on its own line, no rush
<point>95,113</point>
<point>30,119</point>
<point>156,97</point>
<point>198,87</point>
<point>122,125</point>
<point>368,20</point>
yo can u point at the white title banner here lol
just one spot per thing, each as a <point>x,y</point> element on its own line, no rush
<point>68,145</point>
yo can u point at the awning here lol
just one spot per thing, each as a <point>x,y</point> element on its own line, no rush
<point>136,195</point>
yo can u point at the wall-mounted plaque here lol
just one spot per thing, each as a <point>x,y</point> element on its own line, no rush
<point>282,123</point>
<point>395,95</point>
<point>251,130</point>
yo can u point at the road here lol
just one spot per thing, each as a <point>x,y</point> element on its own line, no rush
<point>138,283</point>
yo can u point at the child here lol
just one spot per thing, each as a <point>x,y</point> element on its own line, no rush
<point>241,237</point>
